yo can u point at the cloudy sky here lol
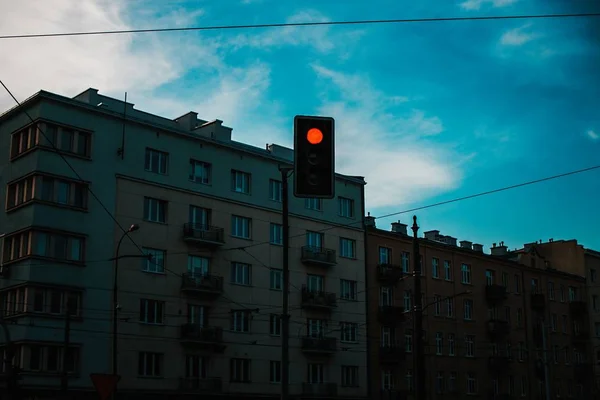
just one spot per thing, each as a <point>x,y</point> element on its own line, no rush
<point>427,112</point>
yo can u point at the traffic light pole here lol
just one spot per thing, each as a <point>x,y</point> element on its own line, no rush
<point>419,356</point>
<point>285,318</point>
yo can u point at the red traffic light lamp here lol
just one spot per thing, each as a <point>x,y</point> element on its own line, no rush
<point>314,157</point>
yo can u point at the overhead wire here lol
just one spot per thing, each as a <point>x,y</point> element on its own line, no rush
<point>301,24</point>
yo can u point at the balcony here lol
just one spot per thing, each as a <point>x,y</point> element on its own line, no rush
<point>388,273</point>
<point>391,354</point>
<point>201,385</point>
<point>584,372</point>
<point>390,315</point>
<point>319,389</point>
<point>394,394</point>
<point>205,235</point>
<point>318,300</point>
<point>316,345</point>
<point>204,337</point>
<point>581,338</point>
<point>538,301</point>
<point>318,256</point>
<point>495,294</point>
<point>498,364</point>
<point>497,328</point>
<point>210,285</point>
<point>578,308</point>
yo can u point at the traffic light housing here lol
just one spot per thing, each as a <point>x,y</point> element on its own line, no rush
<point>314,157</point>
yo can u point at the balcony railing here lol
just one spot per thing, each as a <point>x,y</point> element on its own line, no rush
<point>495,293</point>
<point>390,315</point>
<point>389,273</point>
<point>498,328</point>
<point>200,333</point>
<point>324,345</point>
<point>581,338</point>
<point>498,364</point>
<point>392,354</point>
<point>203,385</point>
<point>538,301</point>
<point>318,299</point>
<point>578,307</point>
<point>583,372</point>
<point>318,256</point>
<point>202,284</point>
<point>319,389</point>
<point>203,234</point>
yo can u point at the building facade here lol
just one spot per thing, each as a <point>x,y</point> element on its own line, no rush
<point>491,322</point>
<point>202,316</point>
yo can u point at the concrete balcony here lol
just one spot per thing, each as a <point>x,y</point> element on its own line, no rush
<point>318,300</point>
<point>578,308</point>
<point>207,285</point>
<point>389,274</point>
<point>495,294</point>
<point>318,390</point>
<point>319,345</point>
<point>498,364</point>
<point>210,338</point>
<point>581,338</point>
<point>319,256</point>
<point>584,372</point>
<point>392,354</point>
<point>498,329</point>
<point>538,301</point>
<point>390,315</point>
<point>200,385</point>
<point>205,235</point>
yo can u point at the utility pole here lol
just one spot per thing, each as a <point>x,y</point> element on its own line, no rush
<point>285,318</point>
<point>545,359</point>
<point>64,381</point>
<point>419,360</point>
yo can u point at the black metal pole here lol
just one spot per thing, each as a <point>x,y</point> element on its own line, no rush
<point>285,318</point>
<point>419,361</point>
<point>64,381</point>
<point>115,304</point>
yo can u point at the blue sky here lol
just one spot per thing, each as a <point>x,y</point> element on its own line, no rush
<point>426,112</point>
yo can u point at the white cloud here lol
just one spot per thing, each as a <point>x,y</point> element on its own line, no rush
<point>391,151</point>
<point>476,4</point>
<point>592,135</point>
<point>518,36</point>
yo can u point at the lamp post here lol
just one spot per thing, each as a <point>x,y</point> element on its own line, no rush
<point>115,304</point>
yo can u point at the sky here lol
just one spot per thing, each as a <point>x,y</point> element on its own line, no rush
<point>426,112</point>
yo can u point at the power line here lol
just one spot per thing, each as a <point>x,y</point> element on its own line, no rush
<point>301,24</point>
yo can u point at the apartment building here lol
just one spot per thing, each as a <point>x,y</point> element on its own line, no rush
<point>592,267</point>
<point>203,315</point>
<point>489,319</point>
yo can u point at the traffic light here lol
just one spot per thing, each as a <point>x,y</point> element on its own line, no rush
<point>314,157</point>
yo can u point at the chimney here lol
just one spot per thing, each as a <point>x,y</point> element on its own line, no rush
<point>465,244</point>
<point>499,250</point>
<point>370,221</point>
<point>399,228</point>
<point>432,235</point>
<point>450,240</point>
<point>478,247</point>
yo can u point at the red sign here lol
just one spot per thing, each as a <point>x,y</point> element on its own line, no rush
<point>105,384</point>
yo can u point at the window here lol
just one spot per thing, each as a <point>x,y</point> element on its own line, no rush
<point>156,263</point>
<point>386,336</point>
<point>349,376</point>
<point>408,343</point>
<point>471,383</point>
<point>314,239</point>
<point>240,321</point>
<point>517,284</point>
<point>489,277</point>
<point>437,299</point>
<point>521,351</point>
<point>313,204</point>
<point>346,207</point>
<point>67,140</point>
<point>469,345</point>
<point>315,373</point>
<point>565,323</point>
<point>48,189</point>
<point>240,227</point>
<point>439,343</point>
<point>348,289</point>
<point>593,276</point>
<point>387,379</point>
<point>240,370</point>
<point>315,328</point>
<point>275,279</point>
<point>451,344</point>
<point>197,266</point>
<point>17,246</point>
<point>452,382</point>
<point>349,332</point>
<point>347,248</point>
<point>47,358</point>
<point>275,371</point>
<point>386,296</point>
<point>275,325</point>
<point>551,290</point>
<point>155,210</point>
<point>572,293</point>
<point>156,161</point>
<point>275,190</point>
<point>385,255</point>
<point>405,262</point>
<point>200,218</point>
<point>468,303</point>
<point>505,280</point>
<point>240,181</point>
<point>20,192</point>
<point>44,244</point>
<point>554,322</point>
<point>519,317</point>
<point>200,172</point>
<point>447,270</point>
<point>435,268</point>
<point>450,308</point>
<point>562,294</point>
<point>407,300</point>
<point>23,140</point>
<point>410,383</point>
<point>195,366</point>
<point>240,273</point>
<point>439,383</point>
<point>465,274</point>
<point>31,299</point>
<point>276,234</point>
<point>151,311</point>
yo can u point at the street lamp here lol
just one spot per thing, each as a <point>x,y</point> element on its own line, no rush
<point>132,228</point>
